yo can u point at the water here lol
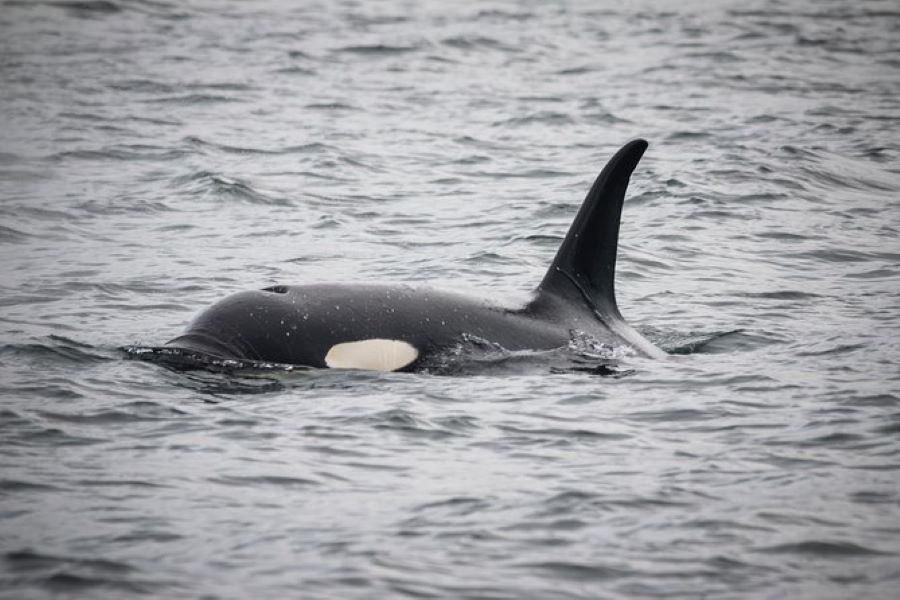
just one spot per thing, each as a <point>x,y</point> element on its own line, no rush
<point>157,156</point>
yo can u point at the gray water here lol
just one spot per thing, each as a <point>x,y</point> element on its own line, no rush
<point>157,156</point>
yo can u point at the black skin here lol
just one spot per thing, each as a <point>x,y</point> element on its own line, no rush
<point>299,324</point>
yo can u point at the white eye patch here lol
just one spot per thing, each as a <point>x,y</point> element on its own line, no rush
<point>372,355</point>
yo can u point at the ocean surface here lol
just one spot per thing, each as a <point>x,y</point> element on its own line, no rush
<point>156,156</point>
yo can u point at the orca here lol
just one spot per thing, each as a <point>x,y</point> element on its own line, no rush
<point>397,327</point>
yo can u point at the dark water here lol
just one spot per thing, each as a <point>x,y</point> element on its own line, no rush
<point>157,156</point>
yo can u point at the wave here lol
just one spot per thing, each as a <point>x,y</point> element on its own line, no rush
<point>120,152</point>
<point>78,574</point>
<point>377,50</point>
<point>477,42</point>
<point>80,7</point>
<point>410,424</point>
<point>544,117</point>
<point>824,549</point>
<point>713,342</point>
<point>195,99</point>
<point>9,235</point>
<point>56,349</point>
<point>207,184</point>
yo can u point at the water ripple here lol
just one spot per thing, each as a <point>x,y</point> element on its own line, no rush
<point>823,548</point>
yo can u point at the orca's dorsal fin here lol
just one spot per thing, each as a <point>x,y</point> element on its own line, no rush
<point>585,264</point>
